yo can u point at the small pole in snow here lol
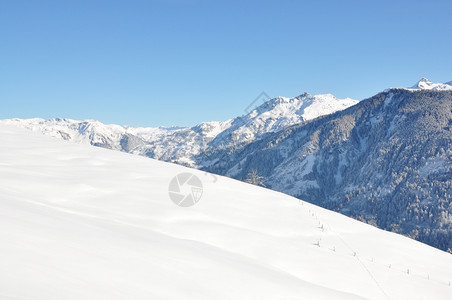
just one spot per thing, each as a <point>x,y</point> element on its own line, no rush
<point>408,271</point>
<point>389,266</point>
<point>354,253</point>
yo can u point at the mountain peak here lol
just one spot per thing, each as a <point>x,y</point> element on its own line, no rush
<point>425,84</point>
<point>303,95</point>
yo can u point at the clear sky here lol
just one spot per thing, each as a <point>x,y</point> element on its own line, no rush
<point>176,62</point>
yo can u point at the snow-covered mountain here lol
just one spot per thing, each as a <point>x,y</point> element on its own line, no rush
<point>425,84</point>
<point>185,145</point>
<point>386,160</point>
<point>80,222</point>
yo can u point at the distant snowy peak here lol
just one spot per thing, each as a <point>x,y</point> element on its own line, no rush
<point>323,104</point>
<point>185,145</point>
<point>276,114</point>
<point>304,107</point>
<point>425,84</point>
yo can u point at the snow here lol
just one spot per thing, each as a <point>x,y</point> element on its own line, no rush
<point>325,104</point>
<point>183,145</point>
<point>433,165</point>
<point>425,84</point>
<point>281,112</point>
<point>388,98</point>
<point>80,222</point>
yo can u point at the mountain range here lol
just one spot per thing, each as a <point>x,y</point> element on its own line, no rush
<point>385,160</point>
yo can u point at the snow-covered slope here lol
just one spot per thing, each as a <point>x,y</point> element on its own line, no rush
<point>80,222</point>
<point>185,145</point>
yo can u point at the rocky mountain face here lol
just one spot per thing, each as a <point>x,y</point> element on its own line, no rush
<point>386,161</point>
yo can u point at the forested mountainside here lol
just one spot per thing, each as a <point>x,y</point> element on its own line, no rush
<point>386,161</point>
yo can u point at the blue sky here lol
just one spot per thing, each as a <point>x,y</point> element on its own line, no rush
<point>176,62</point>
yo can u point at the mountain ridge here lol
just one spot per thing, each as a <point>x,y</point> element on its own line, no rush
<point>425,84</point>
<point>182,145</point>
